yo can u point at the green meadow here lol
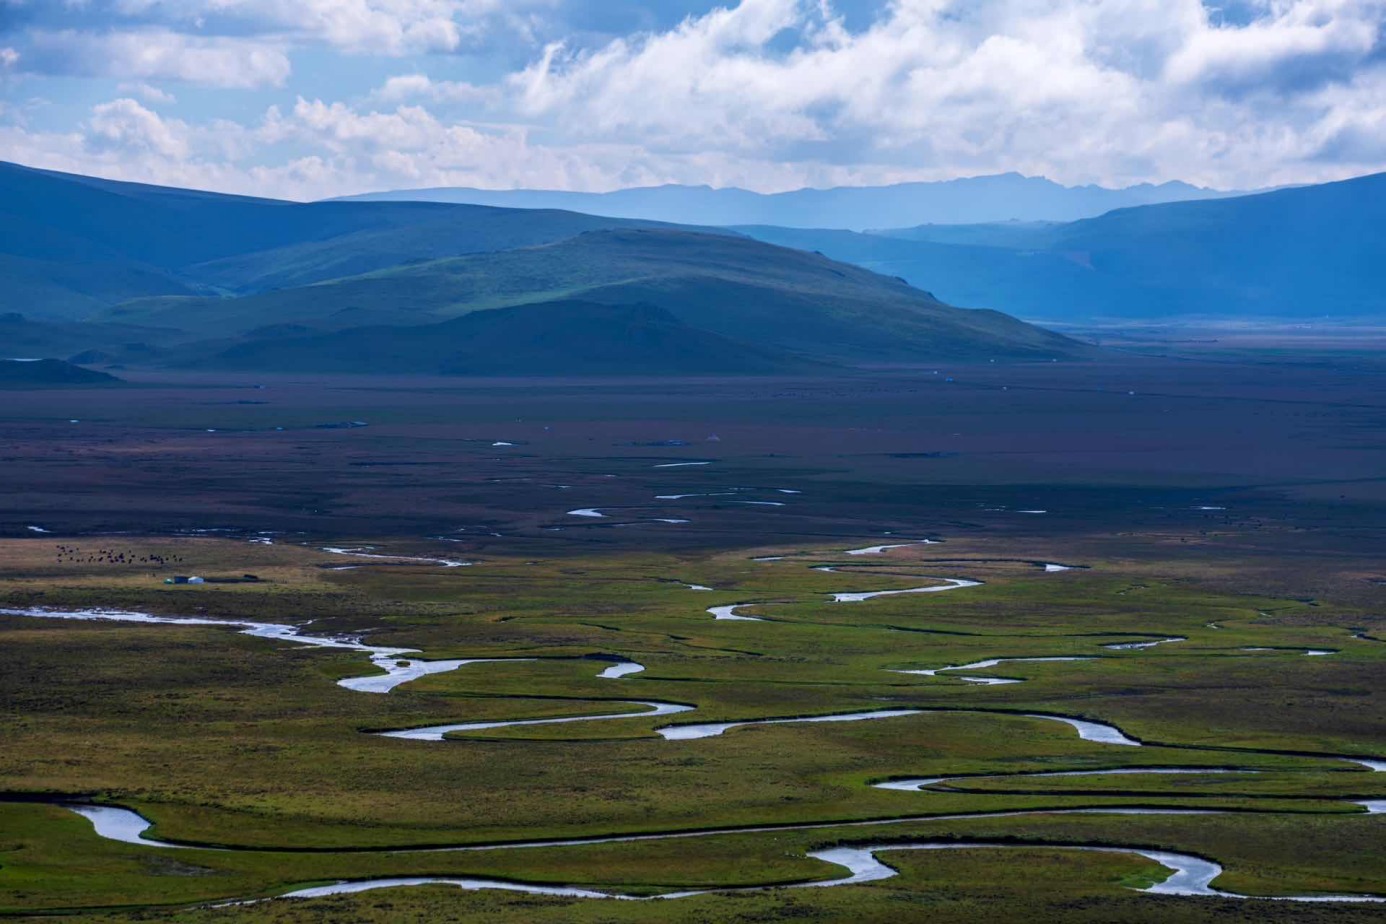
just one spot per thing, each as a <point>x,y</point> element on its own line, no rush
<point>248,753</point>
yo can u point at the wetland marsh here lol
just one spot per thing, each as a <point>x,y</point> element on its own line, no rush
<point>522,714</point>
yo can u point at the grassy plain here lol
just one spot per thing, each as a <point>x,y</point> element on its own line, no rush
<point>231,741</point>
<point>228,741</point>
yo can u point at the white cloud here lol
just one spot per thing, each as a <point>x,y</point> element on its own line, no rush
<point>420,86</point>
<point>339,128</point>
<point>1305,30</point>
<point>122,140</point>
<point>147,92</point>
<point>1120,90</point>
<point>161,54</point>
<point>391,27</point>
<point>770,94</point>
<point>355,151</point>
<point>8,58</point>
<point>126,125</point>
<point>375,27</point>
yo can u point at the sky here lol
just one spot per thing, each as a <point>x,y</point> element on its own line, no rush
<point>307,99</point>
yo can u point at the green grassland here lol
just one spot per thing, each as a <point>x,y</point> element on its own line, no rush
<point>225,740</point>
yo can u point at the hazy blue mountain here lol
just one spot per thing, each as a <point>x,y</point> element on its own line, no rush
<point>61,217</point>
<point>70,245</point>
<point>160,268</point>
<point>1003,197</point>
<point>1032,283</point>
<point>1017,235</point>
<point>1311,252</point>
<point>110,272</point>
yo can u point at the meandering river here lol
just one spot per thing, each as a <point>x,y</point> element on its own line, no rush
<point>1189,875</point>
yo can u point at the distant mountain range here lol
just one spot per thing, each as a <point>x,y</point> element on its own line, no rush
<point>71,245</point>
<point>1306,253</point>
<point>119,273</point>
<point>109,273</point>
<point>783,302</point>
<point>1003,197</point>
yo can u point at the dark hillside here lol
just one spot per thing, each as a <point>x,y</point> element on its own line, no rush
<point>743,290</point>
<point>555,339</point>
<point>49,373</point>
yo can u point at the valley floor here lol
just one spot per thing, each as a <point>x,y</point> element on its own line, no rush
<point>623,650</point>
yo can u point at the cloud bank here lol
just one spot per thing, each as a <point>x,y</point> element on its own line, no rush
<point>324,97</point>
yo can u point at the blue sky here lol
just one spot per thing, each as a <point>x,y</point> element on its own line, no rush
<point>312,98</point>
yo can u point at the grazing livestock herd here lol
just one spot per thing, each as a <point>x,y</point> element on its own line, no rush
<point>72,554</point>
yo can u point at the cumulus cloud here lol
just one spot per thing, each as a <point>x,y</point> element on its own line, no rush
<point>359,150</point>
<point>147,92</point>
<point>422,87</point>
<point>1330,33</point>
<point>1118,90</point>
<point>770,94</point>
<point>125,124</point>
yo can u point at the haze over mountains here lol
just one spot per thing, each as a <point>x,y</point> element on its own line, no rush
<point>1306,253</point>
<point>1003,197</point>
<point>1075,256</point>
<point>121,274</point>
<point>127,274</point>
<point>72,245</point>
